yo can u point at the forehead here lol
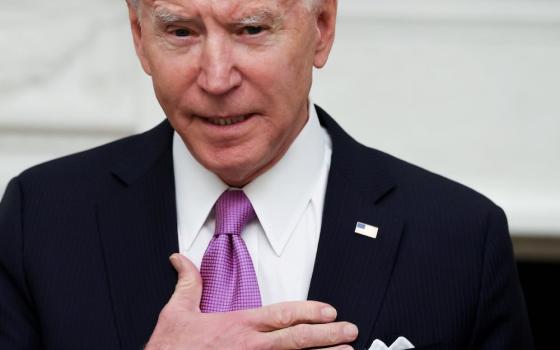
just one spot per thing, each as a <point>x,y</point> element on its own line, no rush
<point>224,8</point>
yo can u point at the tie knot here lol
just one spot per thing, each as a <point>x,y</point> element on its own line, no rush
<point>233,211</point>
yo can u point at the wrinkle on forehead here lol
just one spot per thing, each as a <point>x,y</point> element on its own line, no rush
<point>165,16</point>
<point>237,12</point>
<point>249,11</point>
<point>244,12</point>
<point>225,6</point>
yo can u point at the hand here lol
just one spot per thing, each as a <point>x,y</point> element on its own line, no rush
<point>289,325</point>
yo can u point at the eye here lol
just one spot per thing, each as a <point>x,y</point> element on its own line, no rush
<point>253,30</point>
<point>181,32</point>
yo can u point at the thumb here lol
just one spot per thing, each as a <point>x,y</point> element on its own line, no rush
<point>188,290</point>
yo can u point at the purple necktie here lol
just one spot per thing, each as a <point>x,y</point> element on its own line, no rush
<point>229,279</point>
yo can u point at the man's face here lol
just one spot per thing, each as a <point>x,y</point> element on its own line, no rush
<point>233,76</point>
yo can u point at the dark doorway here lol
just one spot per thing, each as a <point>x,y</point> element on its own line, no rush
<point>541,286</point>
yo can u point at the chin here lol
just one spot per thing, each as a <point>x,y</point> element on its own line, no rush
<point>234,179</point>
<point>226,169</point>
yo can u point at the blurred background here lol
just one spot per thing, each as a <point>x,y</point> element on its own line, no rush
<point>467,89</point>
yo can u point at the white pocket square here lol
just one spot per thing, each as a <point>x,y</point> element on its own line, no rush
<point>400,344</point>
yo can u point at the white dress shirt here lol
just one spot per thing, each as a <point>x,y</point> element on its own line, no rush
<point>288,200</point>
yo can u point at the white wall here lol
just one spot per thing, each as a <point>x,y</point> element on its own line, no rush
<point>469,89</point>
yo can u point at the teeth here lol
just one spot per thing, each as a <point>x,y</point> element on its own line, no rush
<point>226,121</point>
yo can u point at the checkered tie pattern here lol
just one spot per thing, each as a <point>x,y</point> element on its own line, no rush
<point>228,276</point>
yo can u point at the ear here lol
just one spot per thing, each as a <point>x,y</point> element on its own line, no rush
<point>136,28</point>
<point>325,17</point>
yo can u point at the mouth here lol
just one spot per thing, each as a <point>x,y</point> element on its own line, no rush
<point>226,121</point>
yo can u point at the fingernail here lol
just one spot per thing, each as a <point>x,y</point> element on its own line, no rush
<point>174,261</point>
<point>329,312</point>
<point>351,330</point>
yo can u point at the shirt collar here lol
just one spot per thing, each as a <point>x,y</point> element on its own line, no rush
<point>196,189</point>
<point>279,196</point>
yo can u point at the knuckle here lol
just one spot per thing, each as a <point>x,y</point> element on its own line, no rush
<point>238,333</point>
<point>301,336</point>
<point>255,343</point>
<point>333,334</point>
<point>284,317</point>
<point>185,283</point>
<point>314,310</point>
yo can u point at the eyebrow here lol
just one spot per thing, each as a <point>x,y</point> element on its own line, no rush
<point>262,16</point>
<point>165,16</point>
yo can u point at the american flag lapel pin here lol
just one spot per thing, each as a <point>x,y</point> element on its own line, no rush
<point>366,230</point>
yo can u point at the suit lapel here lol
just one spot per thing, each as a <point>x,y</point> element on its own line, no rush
<point>138,232</point>
<point>352,272</point>
<point>137,227</point>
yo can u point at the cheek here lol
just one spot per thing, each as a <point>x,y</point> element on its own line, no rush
<point>171,73</point>
<point>172,84</point>
<point>278,83</point>
<point>286,69</point>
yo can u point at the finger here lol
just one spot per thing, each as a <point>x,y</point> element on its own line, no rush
<point>303,336</point>
<point>282,315</point>
<point>339,347</point>
<point>188,290</point>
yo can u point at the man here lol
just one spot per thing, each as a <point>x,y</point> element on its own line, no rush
<point>388,251</point>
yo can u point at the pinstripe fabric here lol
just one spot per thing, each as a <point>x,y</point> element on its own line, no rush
<point>85,241</point>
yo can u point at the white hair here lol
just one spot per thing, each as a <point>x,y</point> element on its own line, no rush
<point>309,3</point>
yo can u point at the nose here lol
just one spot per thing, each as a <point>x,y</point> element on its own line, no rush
<point>218,73</point>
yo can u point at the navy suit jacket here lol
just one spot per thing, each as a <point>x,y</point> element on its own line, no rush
<point>85,241</point>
